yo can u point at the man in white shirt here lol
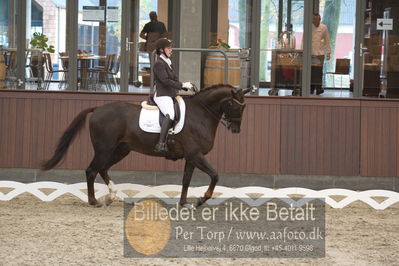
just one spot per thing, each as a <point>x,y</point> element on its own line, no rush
<point>321,50</point>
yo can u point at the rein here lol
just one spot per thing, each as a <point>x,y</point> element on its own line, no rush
<point>221,118</point>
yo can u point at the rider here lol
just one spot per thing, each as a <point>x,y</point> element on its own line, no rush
<point>167,85</point>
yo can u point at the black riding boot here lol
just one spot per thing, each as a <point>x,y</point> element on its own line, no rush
<point>166,125</point>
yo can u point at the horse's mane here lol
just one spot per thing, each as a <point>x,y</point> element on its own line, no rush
<point>210,88</point>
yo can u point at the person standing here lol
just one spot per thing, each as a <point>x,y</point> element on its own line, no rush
<point>152,31</point>
<point>321,50</point>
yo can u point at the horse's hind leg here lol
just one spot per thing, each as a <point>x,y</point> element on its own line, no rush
<point>111,186</point>
<point>99,162</point>
<point>91,173</point>
<point>119,153</point>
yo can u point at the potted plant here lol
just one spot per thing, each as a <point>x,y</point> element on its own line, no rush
<point>39,41</point>
<point>223,44</point>
<point>220,44</point>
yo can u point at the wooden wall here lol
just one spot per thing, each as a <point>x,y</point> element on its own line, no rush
<point>379,143</point>
<point>320,137</point>
<point>279,135</point>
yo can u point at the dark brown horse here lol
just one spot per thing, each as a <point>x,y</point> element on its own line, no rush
<point>114,132</point>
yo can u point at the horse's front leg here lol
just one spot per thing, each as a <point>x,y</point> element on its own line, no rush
<point>188,173</point>
<point>201,163</point>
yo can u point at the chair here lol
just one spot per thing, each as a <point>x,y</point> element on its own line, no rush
<point>341,68</point>
<point>11,68</point>
<point>64,57</point>
<point>64,60</point>
<point>102,72</point>
<point>35,64</point>
<point>114,72</point>
<point>51,71</point>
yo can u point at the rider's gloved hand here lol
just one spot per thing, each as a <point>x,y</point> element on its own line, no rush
<point>189,86</point>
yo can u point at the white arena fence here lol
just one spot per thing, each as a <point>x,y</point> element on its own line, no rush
<point>221,193</point>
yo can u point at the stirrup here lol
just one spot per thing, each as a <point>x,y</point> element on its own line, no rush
<point>161,147</point>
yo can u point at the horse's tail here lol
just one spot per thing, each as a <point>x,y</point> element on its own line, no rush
<point>67,137</point>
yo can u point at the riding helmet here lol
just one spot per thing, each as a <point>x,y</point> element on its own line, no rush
<point>162,43</point>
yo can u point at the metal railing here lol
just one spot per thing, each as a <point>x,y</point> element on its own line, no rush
<point>200,50</point>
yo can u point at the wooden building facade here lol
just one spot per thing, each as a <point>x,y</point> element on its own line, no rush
<point>279,135</point>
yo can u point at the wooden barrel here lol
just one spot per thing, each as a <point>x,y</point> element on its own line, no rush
<point>2,71</point>
<point>214,69</point>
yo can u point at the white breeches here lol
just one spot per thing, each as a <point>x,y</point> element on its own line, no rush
<point>165,104</point>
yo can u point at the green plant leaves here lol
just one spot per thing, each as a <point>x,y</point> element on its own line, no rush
<point>224,45</point>
<point>40,41</point>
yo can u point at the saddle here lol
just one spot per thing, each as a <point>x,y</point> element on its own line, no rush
<point>150,117</point>
<point>150,104</point>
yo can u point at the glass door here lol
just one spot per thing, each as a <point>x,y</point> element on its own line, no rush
<point>30,43</point>
<point>333,53</point>
<point>8,45</point>
<point>109,55</point>
<point>140,45</point>
<point>47,58</point>
<point>380,43</point>
<point>45,41</point>
<point>99,45</point>
<point>280,47</point>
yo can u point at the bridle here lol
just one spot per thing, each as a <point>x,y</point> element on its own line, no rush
<point>234,119</point>
<point>223,119</point>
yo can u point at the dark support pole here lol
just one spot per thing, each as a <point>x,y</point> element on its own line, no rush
<point>254,33</point>
<point>316,6</point>
<point>288,27</point>
<point>21,43</point>
<point>307,48</point>
<point>128,45</point>
<point>207,22</point>
<point>103,33</point>
<point>280,17</point>
<point>214,16</point>
<point>207,32</point>
<point>174,8</point>
<point>170,14</point>
<point>135,32</point>
<point>72,43</point>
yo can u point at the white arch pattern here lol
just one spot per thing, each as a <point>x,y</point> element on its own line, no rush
<point>222,193</point>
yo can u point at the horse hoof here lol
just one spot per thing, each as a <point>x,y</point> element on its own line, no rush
<point>108,200</point>
<point>97,205</point>
<point>93,203</point>
<point>199,202</point>
<point>188,206</point>
<point>129,202</point>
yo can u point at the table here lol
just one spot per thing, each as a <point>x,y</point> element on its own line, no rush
<point>85,62</point>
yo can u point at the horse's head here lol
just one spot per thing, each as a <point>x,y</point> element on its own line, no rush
<point>233,109</point>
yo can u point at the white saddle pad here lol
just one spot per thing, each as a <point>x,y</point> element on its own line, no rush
<point>149,119</point>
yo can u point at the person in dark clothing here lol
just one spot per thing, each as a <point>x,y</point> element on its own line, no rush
<point>166,86</point>
<point>152,31</point>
